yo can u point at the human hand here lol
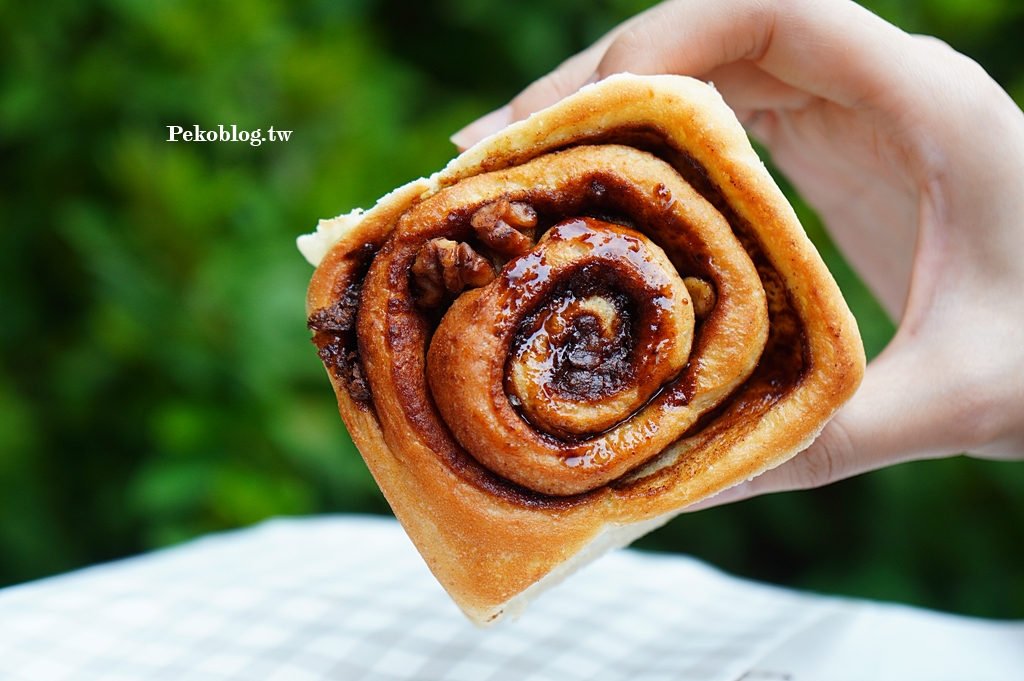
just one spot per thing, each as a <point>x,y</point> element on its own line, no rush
<point>914,158</point>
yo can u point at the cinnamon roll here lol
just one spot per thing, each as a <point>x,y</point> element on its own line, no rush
<point>579,327</point>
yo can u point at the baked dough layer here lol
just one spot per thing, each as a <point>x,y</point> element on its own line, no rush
<point>494,543</point>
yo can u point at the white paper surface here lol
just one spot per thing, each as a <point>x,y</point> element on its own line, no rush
<point>349,598</point>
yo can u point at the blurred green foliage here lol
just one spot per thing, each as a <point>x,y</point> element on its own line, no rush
<point>156,379</point>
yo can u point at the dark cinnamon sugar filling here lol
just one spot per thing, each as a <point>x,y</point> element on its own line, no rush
<point>581,367</point>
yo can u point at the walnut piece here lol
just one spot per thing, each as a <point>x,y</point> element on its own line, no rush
<point>505,226</point>
<point>703,296</point>
<point>448,266</point>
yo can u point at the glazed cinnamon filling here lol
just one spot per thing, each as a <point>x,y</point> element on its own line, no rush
<point>580,363</point>
<point>579,347</point>
<point>583,358</point>
<point>635,316</point>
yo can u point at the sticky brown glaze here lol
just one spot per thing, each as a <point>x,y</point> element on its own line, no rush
<point>601,321</point>
<point>613,181</point>
<point>608,196</point>
<point>578,433</point>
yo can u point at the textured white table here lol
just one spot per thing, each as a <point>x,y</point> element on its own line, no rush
<point>348,598</point>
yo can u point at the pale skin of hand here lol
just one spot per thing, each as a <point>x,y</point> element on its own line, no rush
<point>914,158</point>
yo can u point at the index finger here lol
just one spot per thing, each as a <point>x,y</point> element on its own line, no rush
<point>833,49</point>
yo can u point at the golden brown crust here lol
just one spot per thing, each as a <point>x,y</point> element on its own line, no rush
<point>486,539</point>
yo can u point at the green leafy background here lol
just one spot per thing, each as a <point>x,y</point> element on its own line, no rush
<point>156,378</point>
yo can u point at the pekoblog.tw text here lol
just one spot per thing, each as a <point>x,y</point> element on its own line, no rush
<point>179,134</point>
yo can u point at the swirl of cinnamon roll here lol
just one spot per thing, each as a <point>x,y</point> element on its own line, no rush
<point>546,374</point>
<point>580,326</point>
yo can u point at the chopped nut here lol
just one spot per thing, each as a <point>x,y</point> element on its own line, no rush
<point>506,226</point>
<point>520,215</point>
<point>443,266</point>
<point>703,296</point>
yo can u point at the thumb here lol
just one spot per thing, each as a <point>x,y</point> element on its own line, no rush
<point>894,417</point>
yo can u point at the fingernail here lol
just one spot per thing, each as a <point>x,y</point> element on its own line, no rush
<point>488,124</point>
